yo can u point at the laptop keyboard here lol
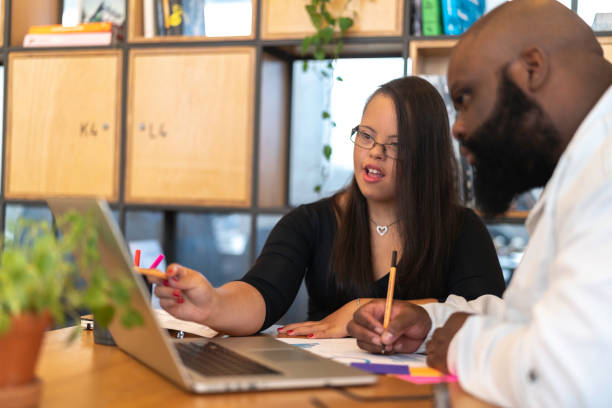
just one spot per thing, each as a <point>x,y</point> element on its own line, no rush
<point>211,359</point>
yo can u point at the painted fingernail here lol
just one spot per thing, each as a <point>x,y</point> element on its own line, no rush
<point>165,282</point>
<point>311,335</point>
<point>176,293</point>
<point>289,331</point>
<point>280,328</point>
<point>180,300</point>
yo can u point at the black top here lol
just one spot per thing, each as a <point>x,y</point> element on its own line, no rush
<point>300,245</point>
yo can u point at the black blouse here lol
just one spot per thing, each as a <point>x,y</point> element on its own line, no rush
<point>299,248</point>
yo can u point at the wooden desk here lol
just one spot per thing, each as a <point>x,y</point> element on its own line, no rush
<point>85,374</point>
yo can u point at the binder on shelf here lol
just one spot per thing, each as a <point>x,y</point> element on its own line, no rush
<point>193,18</point>
<point>160,21</point>
<point>432,17</point>
<point>459,15</point>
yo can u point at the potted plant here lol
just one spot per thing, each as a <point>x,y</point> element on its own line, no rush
<point>40,283</point>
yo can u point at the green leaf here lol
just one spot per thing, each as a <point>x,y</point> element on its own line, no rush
<point>306,44</point>
<point>325,74</point>
<point>304,65</point>
<point>327,151</point>
<point>339,79</point>
<point>103,315</point>
<point>317,188</point>
<point>339,48</point>
<point>326,34</point>
<point>328,18</point>
<point>325,115</point>
<point>345,23</point>
<point>333,123</point>
<point>132,318</point>
<point>120,293</point>
<point>319,54</point>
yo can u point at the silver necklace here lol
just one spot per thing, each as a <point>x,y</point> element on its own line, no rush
<point>383,229</point>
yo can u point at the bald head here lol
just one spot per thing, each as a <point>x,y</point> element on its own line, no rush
<point>513,26</point>
<point>545,49</point>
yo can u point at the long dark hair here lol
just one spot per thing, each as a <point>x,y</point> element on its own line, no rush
<point>426,201</point>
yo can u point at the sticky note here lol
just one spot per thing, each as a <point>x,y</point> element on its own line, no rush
<point>383,368</point>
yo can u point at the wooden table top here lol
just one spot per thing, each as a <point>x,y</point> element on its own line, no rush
<point>84,374</point>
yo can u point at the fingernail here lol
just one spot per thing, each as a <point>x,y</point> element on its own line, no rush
<point>311,335</point>
<point>165,282</point>
<point>378,330</point>
<point>386,337</point>
<point>289,331</point>
<point>180,300</point>
<point>176,278</point>
<point>281,328</point>
<point>176,293</point>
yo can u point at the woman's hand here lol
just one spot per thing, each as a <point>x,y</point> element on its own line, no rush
<point>186,294</point>
<point>333,326</point>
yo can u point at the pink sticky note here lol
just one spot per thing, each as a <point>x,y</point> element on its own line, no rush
<point>427,379</point>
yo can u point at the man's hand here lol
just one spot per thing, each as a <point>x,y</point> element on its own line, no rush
<point>408,327</point>
<point>437,347</point>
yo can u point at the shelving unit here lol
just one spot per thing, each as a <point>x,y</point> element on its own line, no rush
<point>184,124</point>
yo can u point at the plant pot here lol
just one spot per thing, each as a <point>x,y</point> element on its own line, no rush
<point>19,348</point>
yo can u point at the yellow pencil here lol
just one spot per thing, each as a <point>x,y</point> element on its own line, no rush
<point>390,289</point>
<point>151,272</point>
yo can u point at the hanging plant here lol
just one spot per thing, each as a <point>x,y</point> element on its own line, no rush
<point>330,31</point>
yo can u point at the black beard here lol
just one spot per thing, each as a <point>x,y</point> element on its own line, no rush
<point>516,149</point>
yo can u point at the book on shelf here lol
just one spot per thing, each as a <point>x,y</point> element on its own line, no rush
<point>78,39</point>
<point>84,34</point>
<point>459,15</point>
<point>193,18</point>
<point>86,11</point>
<point>173,17</point>
<point>432,17</point>
<point>148,18</point>
<point>102,26</point>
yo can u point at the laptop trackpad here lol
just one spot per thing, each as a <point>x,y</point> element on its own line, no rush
<point>285,355</point>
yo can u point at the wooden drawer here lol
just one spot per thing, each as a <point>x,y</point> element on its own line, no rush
<point>289,19</point>
<point>190,126</point>
<point>63,122</point>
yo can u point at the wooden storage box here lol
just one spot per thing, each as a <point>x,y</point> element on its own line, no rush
<point>63,120</point>
<point>281,19</point>
<point>190,126</point>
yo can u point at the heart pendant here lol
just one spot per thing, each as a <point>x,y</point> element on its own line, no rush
<point>382,229</point>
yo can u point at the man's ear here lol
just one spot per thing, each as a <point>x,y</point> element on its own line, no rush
<point>531,69</point>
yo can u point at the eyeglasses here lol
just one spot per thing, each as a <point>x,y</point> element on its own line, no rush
<point>362,139</point>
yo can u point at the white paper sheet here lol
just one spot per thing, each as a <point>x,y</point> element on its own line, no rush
<point>346,351</point>
<point>167,321</point>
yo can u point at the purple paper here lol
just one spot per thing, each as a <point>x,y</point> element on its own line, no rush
<point>383,368</point>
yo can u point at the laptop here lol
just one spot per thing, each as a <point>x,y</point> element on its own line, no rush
<point>203,365</point>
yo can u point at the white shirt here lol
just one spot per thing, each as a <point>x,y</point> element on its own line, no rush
<point>549,341</point>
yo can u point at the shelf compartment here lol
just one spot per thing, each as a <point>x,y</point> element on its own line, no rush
<point>62,126</point>
<point>190,126</point>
